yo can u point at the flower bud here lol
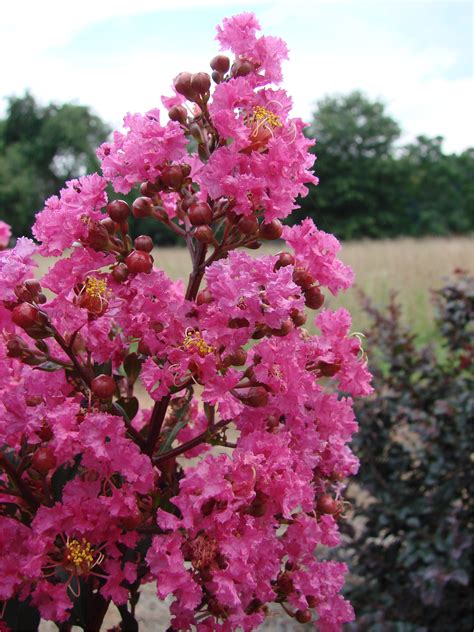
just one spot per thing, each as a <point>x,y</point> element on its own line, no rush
<point>217,77</point>
<point>303,616</point>
<point>313,297</point>
<point>220,63</point>
<point>182,84</point>
<point>238,358</point>
<point>284,259</point>
<point>201,82</point>
<point>248,225</point>
<point>256,396</point>
<point>142,207</point>
<point>103,386</point>
<point>200,213</point>
<point>26,316</point>
<point>120,273</point>
<point>172,176</point>
<point>254,245</point>
<point>327,505</point>
<point>298,318</point>
<point>237,323</point>
<point>242,68</point>
<point>148,189</point>
<point>109,225</point>
<point>17,347</point>
<point>43,460</point>
<point>328,369</point>
<point>285,328</point>
<point>33,286</point>
<point>118,210</point>
<point>303,278</point>
<point>139,261</point>
<point>98,237</point>
<point>144,243</point>
<point>204,234</point>
<point>272,230</point>
<point>178,113</point>
<point>204,297</point>
<point>312,601</point>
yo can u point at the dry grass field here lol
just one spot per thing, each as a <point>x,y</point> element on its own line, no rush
<point>409,266</point>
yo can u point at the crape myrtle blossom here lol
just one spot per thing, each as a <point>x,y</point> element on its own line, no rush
<point>194,434</point>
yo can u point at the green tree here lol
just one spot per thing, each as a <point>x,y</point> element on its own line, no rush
<point>40,148</point>
<point>356,165</point>
<point>438,191</point>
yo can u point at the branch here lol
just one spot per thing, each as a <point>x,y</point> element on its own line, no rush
<point>201,438</point>
<point>156,423</point>
<point>18,482</point>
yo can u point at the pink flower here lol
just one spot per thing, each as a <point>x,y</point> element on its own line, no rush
<point>140,153</point>
<point>238,34</point>
<point>5,234</point>
<point>68,218</point>
<point>16,265</point>
<point>316,250</point>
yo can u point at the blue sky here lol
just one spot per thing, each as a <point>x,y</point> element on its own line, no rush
<point>417,56</point>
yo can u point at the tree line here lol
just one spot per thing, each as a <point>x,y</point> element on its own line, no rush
<point>370,185</point>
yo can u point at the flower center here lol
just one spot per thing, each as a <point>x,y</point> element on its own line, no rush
<point>193,341</point>
<point>80,554</point>
<point>97,288</point>
<point>262,116</point>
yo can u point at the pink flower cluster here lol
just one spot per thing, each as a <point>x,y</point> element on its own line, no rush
<point>195,436</point>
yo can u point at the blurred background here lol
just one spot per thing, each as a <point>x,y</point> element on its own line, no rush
<point>387,90</point>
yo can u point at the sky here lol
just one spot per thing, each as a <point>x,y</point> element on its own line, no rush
<point>119,56</point>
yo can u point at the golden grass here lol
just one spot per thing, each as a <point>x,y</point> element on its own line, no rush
<point>409,266</point>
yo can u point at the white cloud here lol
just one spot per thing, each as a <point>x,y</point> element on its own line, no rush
<point>412,84</point>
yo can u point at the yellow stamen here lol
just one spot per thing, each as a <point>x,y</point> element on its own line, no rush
<point>194,341</point>
<point>265,117</point>
<point>97,288</point>
<point>80,553</point>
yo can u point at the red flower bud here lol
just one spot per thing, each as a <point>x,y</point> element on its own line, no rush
<point>200,213</point>
<point>327,504</point>
<point>328,369</point>
<point>139,261</point>
<point>172,176</point>
<point>303,616</point>
<point>313,297</point>
<point>312,601</point>
<point>254,245</point>
<point>43,460</point>
<point>182,84</point>
<point>26,316</point>
<point>178,113</point>
<point>120,273</point>
<point>272,230</point>
<point>204,234</point>
<point>118,210</point>
<point>242,67</point>
<point>144,243</point>
<point>103,386</point>
<point>217,77</point>
<point>220,63</point>
<point>204,297</point>
<point>142,207</point>
<point>109,225</point>
<point>298,318</point>
<point>284,259</point>
<point>248,225</point>
<point>284,329</point>
<point>201,82</point>
<point>256,396</point>
<point>98,237</point>
<point>303,278</point>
